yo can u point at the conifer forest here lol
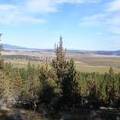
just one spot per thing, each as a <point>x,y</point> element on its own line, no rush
<point>57,87</point>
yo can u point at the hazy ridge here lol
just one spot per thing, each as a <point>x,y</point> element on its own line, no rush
<point>8,47</point>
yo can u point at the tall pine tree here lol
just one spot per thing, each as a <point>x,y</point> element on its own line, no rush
<point>1,59</point>
<point>1,70</point>
<point>60,63</point>
<point>66,73</point>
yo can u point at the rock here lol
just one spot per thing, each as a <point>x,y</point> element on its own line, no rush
<point>4,107</point>
<point>22,111</point>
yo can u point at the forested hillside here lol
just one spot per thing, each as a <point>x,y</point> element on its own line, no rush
<point>57,86</point>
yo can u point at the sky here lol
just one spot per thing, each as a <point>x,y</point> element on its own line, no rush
<point>83,24</point>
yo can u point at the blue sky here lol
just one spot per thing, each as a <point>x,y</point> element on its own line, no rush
<point>84,24</point>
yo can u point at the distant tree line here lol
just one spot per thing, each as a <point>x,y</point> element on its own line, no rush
<point>27,58</point>
<point>58,86</point>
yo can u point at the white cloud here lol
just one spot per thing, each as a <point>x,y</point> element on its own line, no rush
<point>114,6</point>
<point>14,19</point>
<point>6,7</point>
<point>110,23</point>
<point>14,14</point>
<point>93,20</point>
<point>109,18</point>
<point>26,10</point>
<point>41,6</point>
<point>77,1</point>
<point>31,19</point>
<point>51,5</point>
<point>113,23</point>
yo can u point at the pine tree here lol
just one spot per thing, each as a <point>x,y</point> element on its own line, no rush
<point>17,83</point>
<point>6,83</point>
<point>60,63</point>
<point>70,82</point>
<point>111,72</point>
<point>8,91</point>
<point>1,48</point>
<point>1,71</point>
<point>111,89</point>
<point>48,85</point>
<point>67,76</point>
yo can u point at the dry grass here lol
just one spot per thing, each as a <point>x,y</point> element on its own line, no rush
<point>84,63</point>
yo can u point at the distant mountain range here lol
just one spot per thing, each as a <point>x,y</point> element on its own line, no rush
<point>8,47</point>
<point>12,47</point>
